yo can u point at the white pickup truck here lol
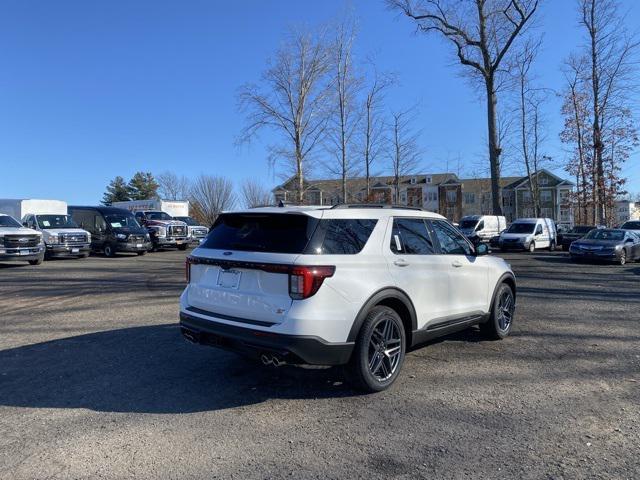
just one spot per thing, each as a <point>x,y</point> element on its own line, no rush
<point>19,243</point>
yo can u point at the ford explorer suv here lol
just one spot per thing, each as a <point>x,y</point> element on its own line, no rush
<point>19,243</point>
<point>347,285</point>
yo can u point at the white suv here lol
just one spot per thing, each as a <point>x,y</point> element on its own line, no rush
<point>355,285</point>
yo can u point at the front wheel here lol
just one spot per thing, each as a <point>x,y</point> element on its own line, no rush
<point>623,258</point>
<point>144,252</point>
<point>501,320</point>
<point>532,247</point>
<point>109,251</point>
<point>379,351</point>
<point>182,247</point>
<point>37,261</point>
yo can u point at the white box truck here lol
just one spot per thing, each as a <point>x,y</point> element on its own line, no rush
<point>482,228</point>
<point>62,236</point>
<point>148,211</point>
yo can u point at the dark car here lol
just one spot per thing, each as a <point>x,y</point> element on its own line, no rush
<point>614,245</point>
<point>577,232</point>
<point>631,225</point>
<point>112,230</point>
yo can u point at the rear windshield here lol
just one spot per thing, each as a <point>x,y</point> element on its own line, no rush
<point>289,233</point>
<point>581,229</point>
<point>605,235</point>
<point>261,232</point>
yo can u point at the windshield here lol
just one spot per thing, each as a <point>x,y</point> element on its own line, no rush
<point>522,228</point>
<point>581,229</point>
<point>468,223</point>
<point>605,235</point>
<point>117,220</point>
<point>188,220</point>
<point>631,225</point>
<point>56,221</point>
<point>7,221</point>
<point>158,216</point>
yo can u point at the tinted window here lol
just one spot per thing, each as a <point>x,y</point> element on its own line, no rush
<point>341,236</point>
<point>267,232</point>
<point>84,218</point>
<point>451,242</point>
<point>410,236</point>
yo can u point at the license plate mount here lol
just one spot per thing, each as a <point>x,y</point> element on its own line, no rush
<point>229,279</point>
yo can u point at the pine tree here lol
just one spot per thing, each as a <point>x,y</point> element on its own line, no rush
<point>143,186</point>
<point>117,191</point>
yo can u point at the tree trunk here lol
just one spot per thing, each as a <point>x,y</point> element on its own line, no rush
<point>494,147</point>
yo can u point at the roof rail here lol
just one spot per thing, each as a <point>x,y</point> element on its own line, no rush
<point>340,206</point>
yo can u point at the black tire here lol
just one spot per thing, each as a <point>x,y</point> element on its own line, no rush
<point>361,372</point>
<point>552,246</point>
<point>499,325</point>
<point>182,247</point>
<point>37,261</point>
<point>84,255</point>
<point>532,247</point>
<point>109,251</point>
<point>623,258</point>
<point>144,252</point>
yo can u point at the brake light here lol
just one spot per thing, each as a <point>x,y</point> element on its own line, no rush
<point>187,269</point>
<point>304,282</point>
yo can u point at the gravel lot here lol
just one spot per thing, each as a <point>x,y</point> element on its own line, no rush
<point>95,381</point>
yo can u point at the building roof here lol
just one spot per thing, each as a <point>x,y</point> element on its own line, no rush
<point>331,184</point>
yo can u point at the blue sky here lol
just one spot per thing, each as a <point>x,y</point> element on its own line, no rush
<point>91,90</point>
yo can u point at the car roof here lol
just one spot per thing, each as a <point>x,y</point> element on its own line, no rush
<point>350,212</point>
<point>101,209</point>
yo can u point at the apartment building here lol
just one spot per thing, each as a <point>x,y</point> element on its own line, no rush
<point>446,194</point>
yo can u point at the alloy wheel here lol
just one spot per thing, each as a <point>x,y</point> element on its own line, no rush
<point>385,347</point>
<point>623,258</point>
<point>506,307</point>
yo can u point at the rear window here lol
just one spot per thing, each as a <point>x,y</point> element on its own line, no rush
<point>274,233</point>
<point>341,236</point>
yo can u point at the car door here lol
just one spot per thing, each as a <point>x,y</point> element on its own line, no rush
<point>100,230</point>
<point>416,269</point>
<point>468,274</point>
<point>541,235</point>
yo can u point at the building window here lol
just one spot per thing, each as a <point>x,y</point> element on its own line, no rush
<point>526,196</point>
<point>431,197</point>
<point>469,197</point>
<point>565,215</point>
<point>564,196</point>
<point>428,179</point>
<point>547,212</point>
<point>543,180</point>
<point>452,196</point>
<point>545,196</point>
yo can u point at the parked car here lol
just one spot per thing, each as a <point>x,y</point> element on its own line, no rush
<point>482,228</point>
<point>196,232</point>
<point>633,225</point>
<point>342,285</point>
<point>529,234</point>
<point>164,230</point>
<point>113,230</point>
<point>607,244</point>
<point>60,234</point>
<point>18,243</point>
<point>577,232</point>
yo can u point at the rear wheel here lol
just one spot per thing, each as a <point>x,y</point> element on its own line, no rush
<point>84,255</point>
<point>144,252</point>
<point>379,352</point>
<point>501,320</point>
<point>552,246</point>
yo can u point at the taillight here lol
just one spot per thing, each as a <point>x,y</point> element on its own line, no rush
<point>187,269</point>
<point>304,282</point>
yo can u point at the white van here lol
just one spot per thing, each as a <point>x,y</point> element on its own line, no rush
<point>482,228</point>
<point>529,234</point>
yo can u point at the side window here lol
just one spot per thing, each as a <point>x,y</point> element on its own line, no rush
<point>99,223</point>
<point>344,236</point>
<point>480,226</point>
<point>539,230</point>
<point>451,242</point>
<point>139,217</point>
<point>411,237</point>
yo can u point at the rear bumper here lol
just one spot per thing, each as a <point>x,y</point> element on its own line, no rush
<point>296,349</point>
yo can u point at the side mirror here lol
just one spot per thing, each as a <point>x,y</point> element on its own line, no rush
<point>482,249</point>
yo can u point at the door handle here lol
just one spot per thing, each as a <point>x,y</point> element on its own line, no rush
<point>456,264</point>
<point>401,262</point>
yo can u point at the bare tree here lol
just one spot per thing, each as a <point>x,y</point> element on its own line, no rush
<point>210,196</point>
<point>292,102</point>
<point>372,126</point>
<point>254,194</point>
<point>344,115</point>
<point>610,54</point>
<point>173,187</point>
<point>531,133</point>
<point>482,32</point>
<point>403,149</point>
